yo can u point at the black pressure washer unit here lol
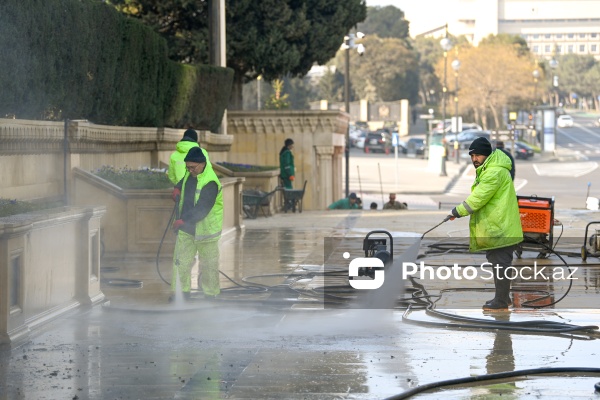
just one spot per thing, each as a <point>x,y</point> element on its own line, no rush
<point>377,248</point>
<point>591,247</point>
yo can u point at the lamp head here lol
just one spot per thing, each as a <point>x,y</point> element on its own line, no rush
<point>455,65</point>
<point>360,49</point>
<point>446,44</point>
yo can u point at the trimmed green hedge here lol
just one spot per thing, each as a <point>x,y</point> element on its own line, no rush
<point>81,59</point>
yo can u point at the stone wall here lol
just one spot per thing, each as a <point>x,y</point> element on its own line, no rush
<point>49,264</point>
<point>319,138</point>
<point>38,157</point>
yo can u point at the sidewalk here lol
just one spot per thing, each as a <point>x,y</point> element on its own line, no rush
<point>254,343</point>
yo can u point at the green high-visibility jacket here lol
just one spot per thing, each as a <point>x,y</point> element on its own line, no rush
<point>211,226</point>
<point>176,164</point>
<point>495,219</point>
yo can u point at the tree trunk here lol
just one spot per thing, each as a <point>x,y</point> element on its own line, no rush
<point>495,114</point>
<point>236,102</point>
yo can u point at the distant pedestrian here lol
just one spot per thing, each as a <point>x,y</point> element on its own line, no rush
<point>392,204</point>
<point>349,203</point>
<point>286,164</point>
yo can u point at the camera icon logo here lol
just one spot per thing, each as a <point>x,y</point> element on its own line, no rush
<point>372,264</point>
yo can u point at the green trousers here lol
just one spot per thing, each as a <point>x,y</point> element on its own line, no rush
<point>186,249</point>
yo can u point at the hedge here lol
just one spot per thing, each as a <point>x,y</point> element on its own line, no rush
<point>81,59</point>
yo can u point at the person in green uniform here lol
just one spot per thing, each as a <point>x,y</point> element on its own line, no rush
<point>350,203</point>
<point>199,225</point>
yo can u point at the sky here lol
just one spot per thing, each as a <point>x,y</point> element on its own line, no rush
<point>419,12</point>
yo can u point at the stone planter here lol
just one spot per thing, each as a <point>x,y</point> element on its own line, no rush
<point>265,181</point>
<point>136,220</point>
<point>49,264</point>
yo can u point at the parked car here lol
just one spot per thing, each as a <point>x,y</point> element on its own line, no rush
<point>523,151</point>
<point>360,141</point>
<point>564,121</point>
<point>379,141</point>
<point>354,135</point>
<point>466,137</point>
<point>415,146</point>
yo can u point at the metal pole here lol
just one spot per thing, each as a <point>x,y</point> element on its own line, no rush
<point>381,184</point>
<point>443,170</point>
<point>456,115</point>
<point>65,163</point>
<point>347,109</point>
<point>258,96</point>
<point>359,184</point>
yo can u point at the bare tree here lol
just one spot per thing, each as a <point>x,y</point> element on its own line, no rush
<point>491,76</point>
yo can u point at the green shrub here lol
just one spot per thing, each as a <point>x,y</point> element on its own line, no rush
<point>135,178</point>
<point>10,207</point>
<point>81,59</point>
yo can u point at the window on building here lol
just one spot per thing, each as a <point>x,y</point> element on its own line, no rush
<point>559,35</point>
<point>582,48</point>
<point>570,49</point>
<point>536,36</point>
<point>547,49</point>
<point>547,36</point>
<point>582,36</point>
<point>558,49</point>
<point>571,35</point>
<point>593,35</point>
<point>594,48</point>
<point>536,49</point>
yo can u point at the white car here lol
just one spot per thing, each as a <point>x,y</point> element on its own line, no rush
<point>564,121</point>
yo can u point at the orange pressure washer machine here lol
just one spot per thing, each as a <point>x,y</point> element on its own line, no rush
<point>537,221</point>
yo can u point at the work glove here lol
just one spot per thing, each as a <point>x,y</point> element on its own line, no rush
<point>454,214</point>
<point>177,224</point>
<point>292,178</point>
<point>176,194</point>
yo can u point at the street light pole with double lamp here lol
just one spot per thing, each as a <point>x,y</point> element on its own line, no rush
<point>349,44</point>
<point>446,46</point>
<point>456,66</point>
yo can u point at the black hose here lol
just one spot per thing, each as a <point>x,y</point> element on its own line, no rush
<point>478,323</point>
<point>489,377</point>
<point>528,303</point>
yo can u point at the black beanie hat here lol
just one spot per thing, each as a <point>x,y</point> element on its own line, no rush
<point>195,155</point>
<point>480,146</point>
<point>288,142</point>
<point>190,135</point>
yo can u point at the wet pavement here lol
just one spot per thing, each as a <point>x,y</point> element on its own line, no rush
<point>283,330</point>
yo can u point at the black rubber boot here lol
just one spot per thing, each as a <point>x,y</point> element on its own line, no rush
<point>502,299</point>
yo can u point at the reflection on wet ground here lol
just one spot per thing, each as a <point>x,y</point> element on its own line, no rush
<point>289,344</point>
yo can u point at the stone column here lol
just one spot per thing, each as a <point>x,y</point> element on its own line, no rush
<point>325,173</point>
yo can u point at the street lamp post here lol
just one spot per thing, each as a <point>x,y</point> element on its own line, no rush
<point>446,46</point>
<point>349,44</point>
<point>536,76</point>
<point>553,65</point>
<point>258,96</point>
<point>456,66</point>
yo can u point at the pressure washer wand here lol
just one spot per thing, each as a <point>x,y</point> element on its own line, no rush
<point>448,218</point>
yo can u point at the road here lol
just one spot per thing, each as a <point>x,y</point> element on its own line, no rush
<point>565,179</point>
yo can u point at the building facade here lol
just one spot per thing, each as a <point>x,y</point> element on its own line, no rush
<point>550,27</point>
